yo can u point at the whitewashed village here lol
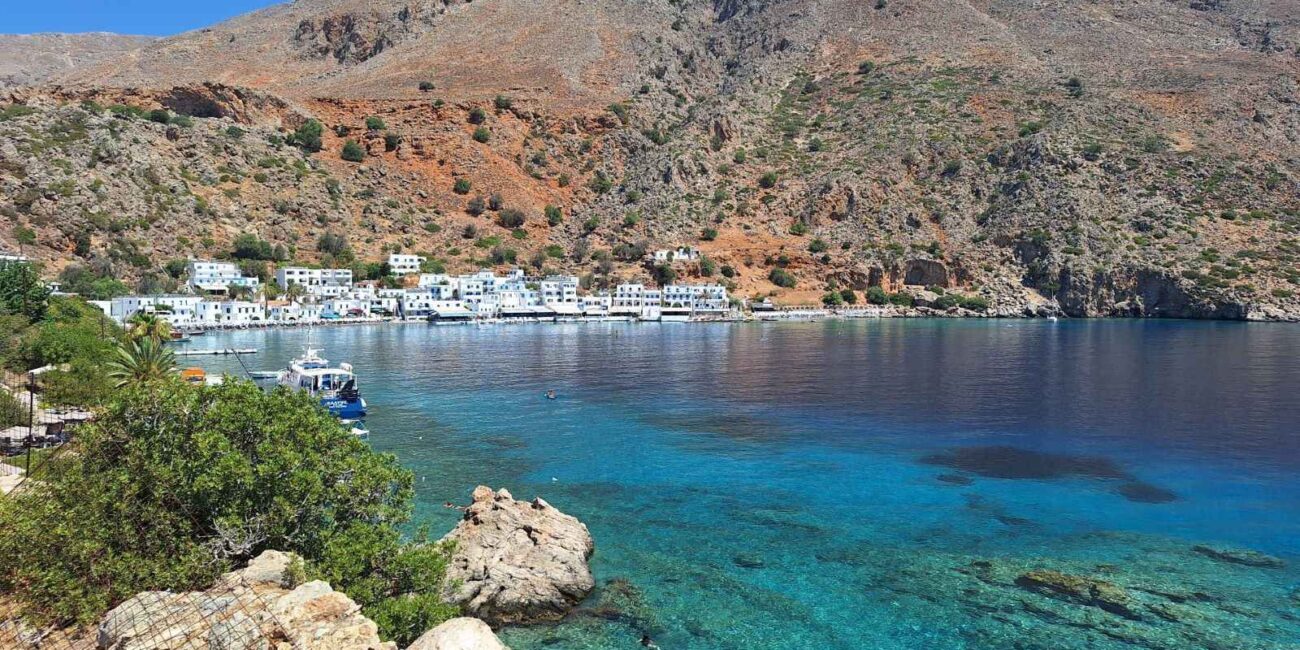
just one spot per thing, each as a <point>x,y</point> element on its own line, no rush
<point>217,295</point>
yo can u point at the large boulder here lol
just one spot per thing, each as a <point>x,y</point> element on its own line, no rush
<point>518,561</point>
<point>459,634</point>
<point>254,608</point>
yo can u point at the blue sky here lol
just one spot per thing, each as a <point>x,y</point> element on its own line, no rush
<point>154,17</point>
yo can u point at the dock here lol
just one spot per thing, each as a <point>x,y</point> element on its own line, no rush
<point>218,351</point>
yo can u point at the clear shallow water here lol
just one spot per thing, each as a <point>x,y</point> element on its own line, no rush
<point>794,485</point>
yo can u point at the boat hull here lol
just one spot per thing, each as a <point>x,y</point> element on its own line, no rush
<point>346,409</point>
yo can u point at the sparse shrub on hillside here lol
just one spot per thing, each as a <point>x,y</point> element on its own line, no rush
<point>975,303</point>
<point>663,274</point>
<point>849,296</point>
<point>619,111</point>
<point>709,234</point>
<point>511,218</point>
<point>1092,151</point>
<point>1074,86</point>
<point>234,132</point>
<point>495,202</point>
<point>461,186</point>
<point>482,134</point>
<point>817,245</point>
<point>502,103</point>
<point>332,244</point>
<point>182,120</point>
<point>782,278</point>
<point>626,252</point>
<point>902,299</point>
<point>952,167</point>
<point>475,206</point>
<point>553,215</point>
<point>375,123</point>
<point>599,183</point>
<point>707,267</point>
<point>866,67</point>
<point>655,135</point>
<point>353,152</point>
<point>799,229</point>
<point>767,180</point>
<point>391,140</point>
<point>308,136</point>
<point>590,225</point>
<point>426,86</point>
<point>815,145</point>
<point>631,219</point>
<point>832,299</point>
<point>477,115</point>
<point>503,255</point>
<point>469,232</point>
<point>160,115</point>
<point>728,271</point>
<point>877,296</point>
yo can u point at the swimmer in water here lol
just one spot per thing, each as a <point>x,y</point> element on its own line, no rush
<point>647,642</point>
<point>550,394</point>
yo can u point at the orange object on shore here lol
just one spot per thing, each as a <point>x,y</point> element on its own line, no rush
<point>193,375</point>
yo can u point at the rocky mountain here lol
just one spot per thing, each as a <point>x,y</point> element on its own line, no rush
<point>33,58</point>
<point>1118,157</point>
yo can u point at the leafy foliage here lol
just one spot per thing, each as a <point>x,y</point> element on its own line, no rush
<point>175,484</point>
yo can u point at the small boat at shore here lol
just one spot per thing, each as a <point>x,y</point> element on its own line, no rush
<point>357,428</point>
<point>336,387</point>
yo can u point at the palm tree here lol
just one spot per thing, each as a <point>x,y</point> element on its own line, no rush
<point>294,291</point>
<point>141,361</point>
<point>145,325</point>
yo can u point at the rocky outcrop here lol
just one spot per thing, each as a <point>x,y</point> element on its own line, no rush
<point>255,607</point>
<point>518,561</point>
<point>1079,589</point>
<point>459,634</point>
<point>1244,557</point>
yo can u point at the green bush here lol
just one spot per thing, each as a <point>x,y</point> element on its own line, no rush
<point>553,215</point>
<point>877,296</point>
<point>849,296</point>
<point>375,123</point>
<point>502,103</point>
<point>461,186</point>
<point>160,115</point>
<point>767,180</point>
<point>799,228</point>
<point>391,140</point>
<point>947,301</point>
<point>174,484</point>
<point>482,134</point>
<point>902,299</point>
<point>477,115</point>
<point>975,303</point>
<point>728,271</point>
<point>817,245</point>
<point>782,278</point>
<point>599,183</point>
<point>353,152</point>
<point>832,299</point>
<point>426,86</point>
<point>709,234</point>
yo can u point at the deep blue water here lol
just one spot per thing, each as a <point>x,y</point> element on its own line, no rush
<point>765,485</point>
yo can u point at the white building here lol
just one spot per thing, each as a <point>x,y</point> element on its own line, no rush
<point>177,310</point>
<point>217,277</point>
<point>700,298</point>
<point>322,283</point>
<point>230,313</point>
<point>559,289</point>
<point>7,257</point>
<point>679,254</point>
<point>636,300</point>
<point>400,264</point>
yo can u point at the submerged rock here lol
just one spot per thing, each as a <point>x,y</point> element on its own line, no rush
<point>459,634</point>
<point>999,461</point>
<point>516,561</point>
<point>1081,590</point>
<point>1140,492</point>
<point>954,479</point>
<point>746,561</point>
<point>1244,557</point>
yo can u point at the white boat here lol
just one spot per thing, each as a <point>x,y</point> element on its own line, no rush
<point>357,428</point>
<point>335,387</point>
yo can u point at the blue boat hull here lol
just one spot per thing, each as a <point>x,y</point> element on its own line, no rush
<point>346,409</point>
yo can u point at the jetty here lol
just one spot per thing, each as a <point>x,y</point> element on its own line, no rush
<point>213,352</point>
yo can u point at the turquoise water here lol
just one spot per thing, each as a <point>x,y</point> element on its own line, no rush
<point>869,484</point>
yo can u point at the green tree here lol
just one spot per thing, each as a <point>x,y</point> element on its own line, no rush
<point>308,135</point>
<point>782,278</point>
<point>144,325</point>
<point>24,236</point>
<point>22,291</point>
<point>877,296</point>
<point>144,360</point>
<point>174,484</point>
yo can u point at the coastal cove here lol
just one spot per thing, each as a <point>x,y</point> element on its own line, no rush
<point>862,483</point>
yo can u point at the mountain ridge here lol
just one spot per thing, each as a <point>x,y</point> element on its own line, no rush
<point>1095,158</point>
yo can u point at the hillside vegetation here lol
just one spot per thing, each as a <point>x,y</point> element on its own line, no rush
<point>1133,158</point>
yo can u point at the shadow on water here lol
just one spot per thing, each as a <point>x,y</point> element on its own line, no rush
<point>1005,462</point>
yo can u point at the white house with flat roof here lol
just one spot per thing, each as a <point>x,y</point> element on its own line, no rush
<point>230,313</point>
<point>217,277</point>
<point>176,309</point>
<point>322,283</point>
<point>400,264</point>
